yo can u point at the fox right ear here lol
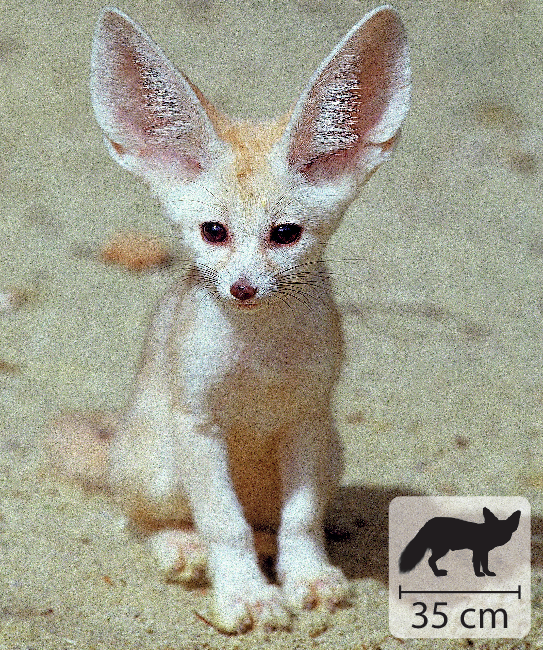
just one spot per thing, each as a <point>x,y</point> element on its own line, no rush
<point>514,520</point>
<point>156,122</point>
<point>348,118</point>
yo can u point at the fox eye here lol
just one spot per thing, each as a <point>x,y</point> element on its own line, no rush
<point>214,232</point>
<point>285,233</point>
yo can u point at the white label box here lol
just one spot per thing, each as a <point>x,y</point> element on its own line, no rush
<point>459,567</point>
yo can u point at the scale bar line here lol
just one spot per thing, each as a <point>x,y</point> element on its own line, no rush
<point>435,591</point>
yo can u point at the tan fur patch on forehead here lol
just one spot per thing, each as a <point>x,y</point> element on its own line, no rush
<point>251,143</point>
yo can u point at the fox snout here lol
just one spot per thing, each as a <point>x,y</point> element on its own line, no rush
<point>242,290</point>
<point>238,282</point>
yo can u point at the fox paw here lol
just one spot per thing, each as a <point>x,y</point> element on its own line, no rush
<point>245,607</point>
<point>181,554</point>
<point>327,589</point>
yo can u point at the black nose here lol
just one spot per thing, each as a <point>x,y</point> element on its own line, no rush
<point>242,290</point>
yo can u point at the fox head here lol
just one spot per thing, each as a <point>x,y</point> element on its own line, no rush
<point>255,204</point>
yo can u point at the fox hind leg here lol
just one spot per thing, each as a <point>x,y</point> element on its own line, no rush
<point>437,553</point>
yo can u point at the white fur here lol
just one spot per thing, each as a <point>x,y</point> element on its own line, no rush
<point>230,427</point>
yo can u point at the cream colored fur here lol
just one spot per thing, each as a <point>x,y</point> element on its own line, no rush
<point>229,434</point>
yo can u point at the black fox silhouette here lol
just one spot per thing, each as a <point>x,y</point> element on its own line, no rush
<point>444,534</point>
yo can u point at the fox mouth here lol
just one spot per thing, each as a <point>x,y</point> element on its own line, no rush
<point>247,306</point>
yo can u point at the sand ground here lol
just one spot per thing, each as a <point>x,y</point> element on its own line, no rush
<point>442,392</point>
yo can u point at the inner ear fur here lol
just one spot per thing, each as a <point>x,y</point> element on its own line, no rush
<point>349,116</point>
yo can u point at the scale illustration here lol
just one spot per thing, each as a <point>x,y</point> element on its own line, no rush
<point>444,534</point>
<point>459,567</point>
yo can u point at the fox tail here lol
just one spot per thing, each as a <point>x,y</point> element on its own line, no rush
<point>413,552</point>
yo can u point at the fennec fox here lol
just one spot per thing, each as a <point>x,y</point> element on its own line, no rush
<point>229,435</point>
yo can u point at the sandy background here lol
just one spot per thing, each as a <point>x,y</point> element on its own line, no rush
<point>443,388</point>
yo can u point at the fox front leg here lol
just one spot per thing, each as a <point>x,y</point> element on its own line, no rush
<point>480,561</point>
<point>309,468</point>
<point>242,598</point>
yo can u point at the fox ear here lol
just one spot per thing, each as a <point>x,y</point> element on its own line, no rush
<point>489,515</point>
<point>514,520</point>
<point>348,118</point>
<point>155,120</point>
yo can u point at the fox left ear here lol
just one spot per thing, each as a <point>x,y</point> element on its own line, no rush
<point>489,515</point>
<point>348,118</point>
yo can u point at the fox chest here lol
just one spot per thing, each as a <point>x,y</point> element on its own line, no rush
<point>266,381</point>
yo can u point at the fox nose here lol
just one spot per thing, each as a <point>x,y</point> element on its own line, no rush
<point>242,290</point>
